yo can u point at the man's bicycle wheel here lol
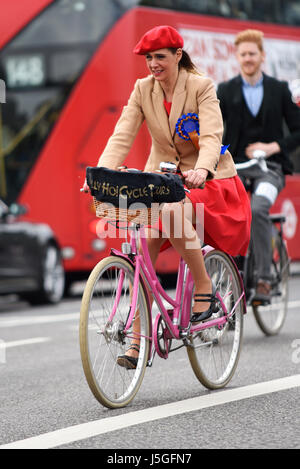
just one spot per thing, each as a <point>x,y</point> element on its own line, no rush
<point>215,351</point>
<point>104,311</point>
<point>270,318</point>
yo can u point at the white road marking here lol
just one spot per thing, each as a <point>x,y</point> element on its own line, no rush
<point>32,320</point>
<point>98,427</point>
<point>18,343</point>
<point>294,304</point>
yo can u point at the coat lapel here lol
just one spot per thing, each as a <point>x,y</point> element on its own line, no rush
<point>179,98</point>
<point>159,109</point>
<point>237,97</point>
<point>267,98</point>
<point>236,101</point>
<point>168,123</point>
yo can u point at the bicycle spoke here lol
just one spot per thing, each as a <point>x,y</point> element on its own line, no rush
<point>215,364</point>
<point>270,318</point>
<point>105,312</point>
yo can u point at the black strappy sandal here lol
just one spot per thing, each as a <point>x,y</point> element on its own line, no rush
<point>204,298</point>
<point>130,363</point>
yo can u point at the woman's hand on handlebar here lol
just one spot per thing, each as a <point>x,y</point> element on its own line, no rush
<point>85,187</point>
<point>195,178</point>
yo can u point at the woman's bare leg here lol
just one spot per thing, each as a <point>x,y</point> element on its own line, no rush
<point>188,245</point>
<point>154,244</point>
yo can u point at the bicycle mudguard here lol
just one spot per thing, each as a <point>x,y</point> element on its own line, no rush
<point>126,188</point>
<point>240,281</point>
<point>206,249</point>
<point>117,253</point>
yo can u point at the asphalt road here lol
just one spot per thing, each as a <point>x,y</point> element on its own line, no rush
<point>43,390</point>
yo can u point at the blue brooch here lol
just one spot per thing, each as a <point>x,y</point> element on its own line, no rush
<point>189,124</point>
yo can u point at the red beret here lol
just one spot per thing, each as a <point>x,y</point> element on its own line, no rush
<point>160,37</point>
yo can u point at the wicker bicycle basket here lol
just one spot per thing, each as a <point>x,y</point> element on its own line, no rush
<point>132,197</point>
<point>139,215</point>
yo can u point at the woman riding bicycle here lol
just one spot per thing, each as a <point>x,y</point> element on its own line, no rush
<point>173,88</point>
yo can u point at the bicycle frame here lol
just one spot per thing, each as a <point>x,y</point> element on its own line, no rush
<point>259,159</point>
<point>110,328</point>
<point>177,319</point>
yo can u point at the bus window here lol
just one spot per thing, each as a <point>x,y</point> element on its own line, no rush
<point>267,11</point>
<point>39,67</point>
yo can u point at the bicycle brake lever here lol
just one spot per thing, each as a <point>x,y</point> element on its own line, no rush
<point>263,165</point>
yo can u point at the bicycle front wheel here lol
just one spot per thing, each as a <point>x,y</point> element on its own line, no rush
<point>104,312</point>
<point>270,318</point>
<point>215,351</point>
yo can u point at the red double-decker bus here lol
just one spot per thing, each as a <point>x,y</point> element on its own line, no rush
<point>68,70</point>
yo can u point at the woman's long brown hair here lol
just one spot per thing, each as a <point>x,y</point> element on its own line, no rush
<point>186,62</point>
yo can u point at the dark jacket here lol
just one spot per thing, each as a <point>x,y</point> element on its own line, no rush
<point>277,107</point>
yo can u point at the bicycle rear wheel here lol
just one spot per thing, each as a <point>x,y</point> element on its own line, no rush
<point>215,352</point>
<point>270,318</point>
<point>102,335</point>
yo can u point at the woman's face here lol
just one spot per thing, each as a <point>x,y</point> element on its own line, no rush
<point>163,64</point>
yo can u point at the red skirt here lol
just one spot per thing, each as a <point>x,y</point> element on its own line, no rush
<point>227,215</point>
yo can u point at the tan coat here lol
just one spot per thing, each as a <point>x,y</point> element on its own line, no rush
<point>193,93</point>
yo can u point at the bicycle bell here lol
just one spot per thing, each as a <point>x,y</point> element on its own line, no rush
<point>168,167</point>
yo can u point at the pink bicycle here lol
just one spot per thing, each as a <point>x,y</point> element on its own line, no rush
<point>117,293</point>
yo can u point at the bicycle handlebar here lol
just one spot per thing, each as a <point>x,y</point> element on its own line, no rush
<point>259,158</point>
<point>259,154</point>
<point>164,167</point>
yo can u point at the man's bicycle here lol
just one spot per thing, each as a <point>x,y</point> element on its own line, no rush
<point>270,316</point>
<point>119,292</point>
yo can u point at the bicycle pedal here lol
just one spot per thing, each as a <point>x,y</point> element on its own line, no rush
<point>256,303</point>
<point>261,303</point>
<point>203,321</point>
